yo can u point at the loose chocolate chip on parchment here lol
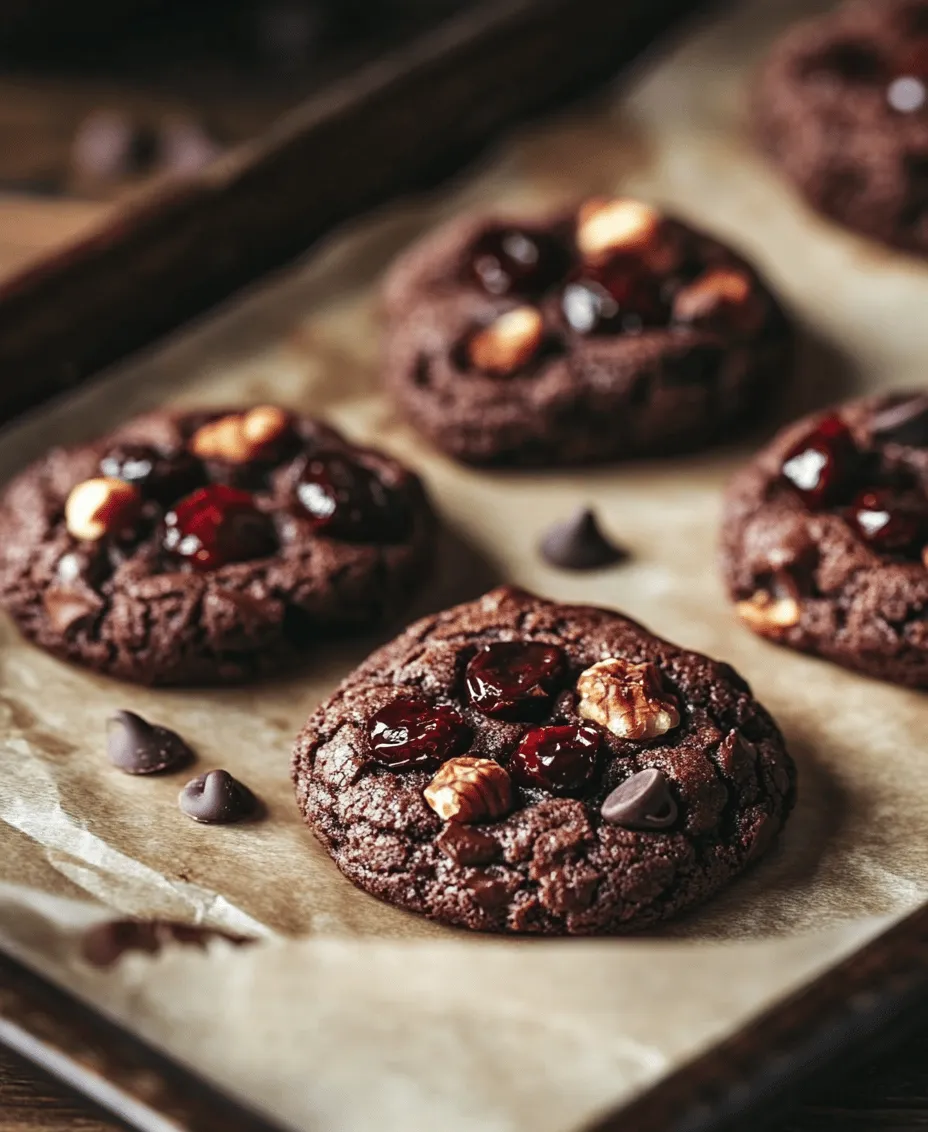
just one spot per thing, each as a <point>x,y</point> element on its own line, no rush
<point>139,747</point>
<point>643,801</point>
<point>579,544</point>
<point>217,798</point>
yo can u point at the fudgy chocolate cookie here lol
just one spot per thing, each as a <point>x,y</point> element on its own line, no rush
<point>609,332</point>
<point>518,765</point>
<point>842,107</point>
<point>825,537</point>
<point>208,547</point>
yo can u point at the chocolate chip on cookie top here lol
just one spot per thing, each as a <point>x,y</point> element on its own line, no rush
<point>858,76</point>
<point>518,765</point>
<point>826,537</point>
<point>208,546</point>
<point>613,330</point>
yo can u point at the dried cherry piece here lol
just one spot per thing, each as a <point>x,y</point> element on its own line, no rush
<point>889,521</point>
<point>622,296</point>
<point>160,476</point>
<point>514,679</point>
<point>346,500</point>
<point>823,465</point>
<point>561,759</point>
<point>515,261</point>
<point>913,59</point>
<point>217,525</point>
<point>412,732</point>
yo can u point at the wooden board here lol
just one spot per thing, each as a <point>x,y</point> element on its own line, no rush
<point>31,228</point>
<point>182,247</point>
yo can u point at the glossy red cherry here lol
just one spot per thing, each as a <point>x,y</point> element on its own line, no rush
<point>560,759</point>
<point>822,465</point>
<point>891,522</point>
<point>907,92</point>
<point>411,732</point>
<point>515,261</point>
<point>346,500</point>
<point>514,679</point>
<point>160,476</point>
<point>217,525</point>
<point>622,296</point>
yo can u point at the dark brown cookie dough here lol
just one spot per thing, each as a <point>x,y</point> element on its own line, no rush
<point>842,107</point>
<point>825,535</point>
<point>608,332</point>
<point>208,547</point>
<point>523,750</point>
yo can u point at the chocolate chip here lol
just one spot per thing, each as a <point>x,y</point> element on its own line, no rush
<point>104,944</point>
<point>579,544</point>
<point>643,801</point>
<point>139,747</point>
<point>216,798</point>
<point>68,606</point>
<point>737,757</point>
<point>489,893</point>
<point>903,423</point>
<point>467,846</point>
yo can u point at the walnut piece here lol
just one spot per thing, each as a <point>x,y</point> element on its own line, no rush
<point>468,789</point>
<point>767,614</point>
<point>608,227</point>
<point>627,699</point>
<point>102,506</point>
<point>241,437</point>
<point>720,297</point>
<point>507,344</point>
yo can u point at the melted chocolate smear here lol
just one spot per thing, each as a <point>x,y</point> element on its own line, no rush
<point>105,944</point>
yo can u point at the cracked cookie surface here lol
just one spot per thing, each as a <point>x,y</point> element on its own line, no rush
<point>824,537</point>
<point>230,553</point>
<point>534,847</point>
<point>609,332</point>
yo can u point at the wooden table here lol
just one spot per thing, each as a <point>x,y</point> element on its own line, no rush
<point>891,1095</point>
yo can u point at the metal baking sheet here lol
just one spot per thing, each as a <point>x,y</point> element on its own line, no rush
<point>356,990</point>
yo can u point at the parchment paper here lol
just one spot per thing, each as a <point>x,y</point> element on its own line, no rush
<point>436,1025</point>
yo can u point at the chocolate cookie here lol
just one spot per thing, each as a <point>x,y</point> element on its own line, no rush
<point>208,547</point>
<point>522,766</point>
<point>609,332</point>
<point>825,538</point>
<point>842,107</point>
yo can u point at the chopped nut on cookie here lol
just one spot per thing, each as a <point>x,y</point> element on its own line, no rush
<point>467,789</point>
<point>508,344</point>
<point>241,437</point>
<point>765,613</point>
<point>100,507</point>
<point>720,298</point>
<point>627,699</point>
<point>608,227</point>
